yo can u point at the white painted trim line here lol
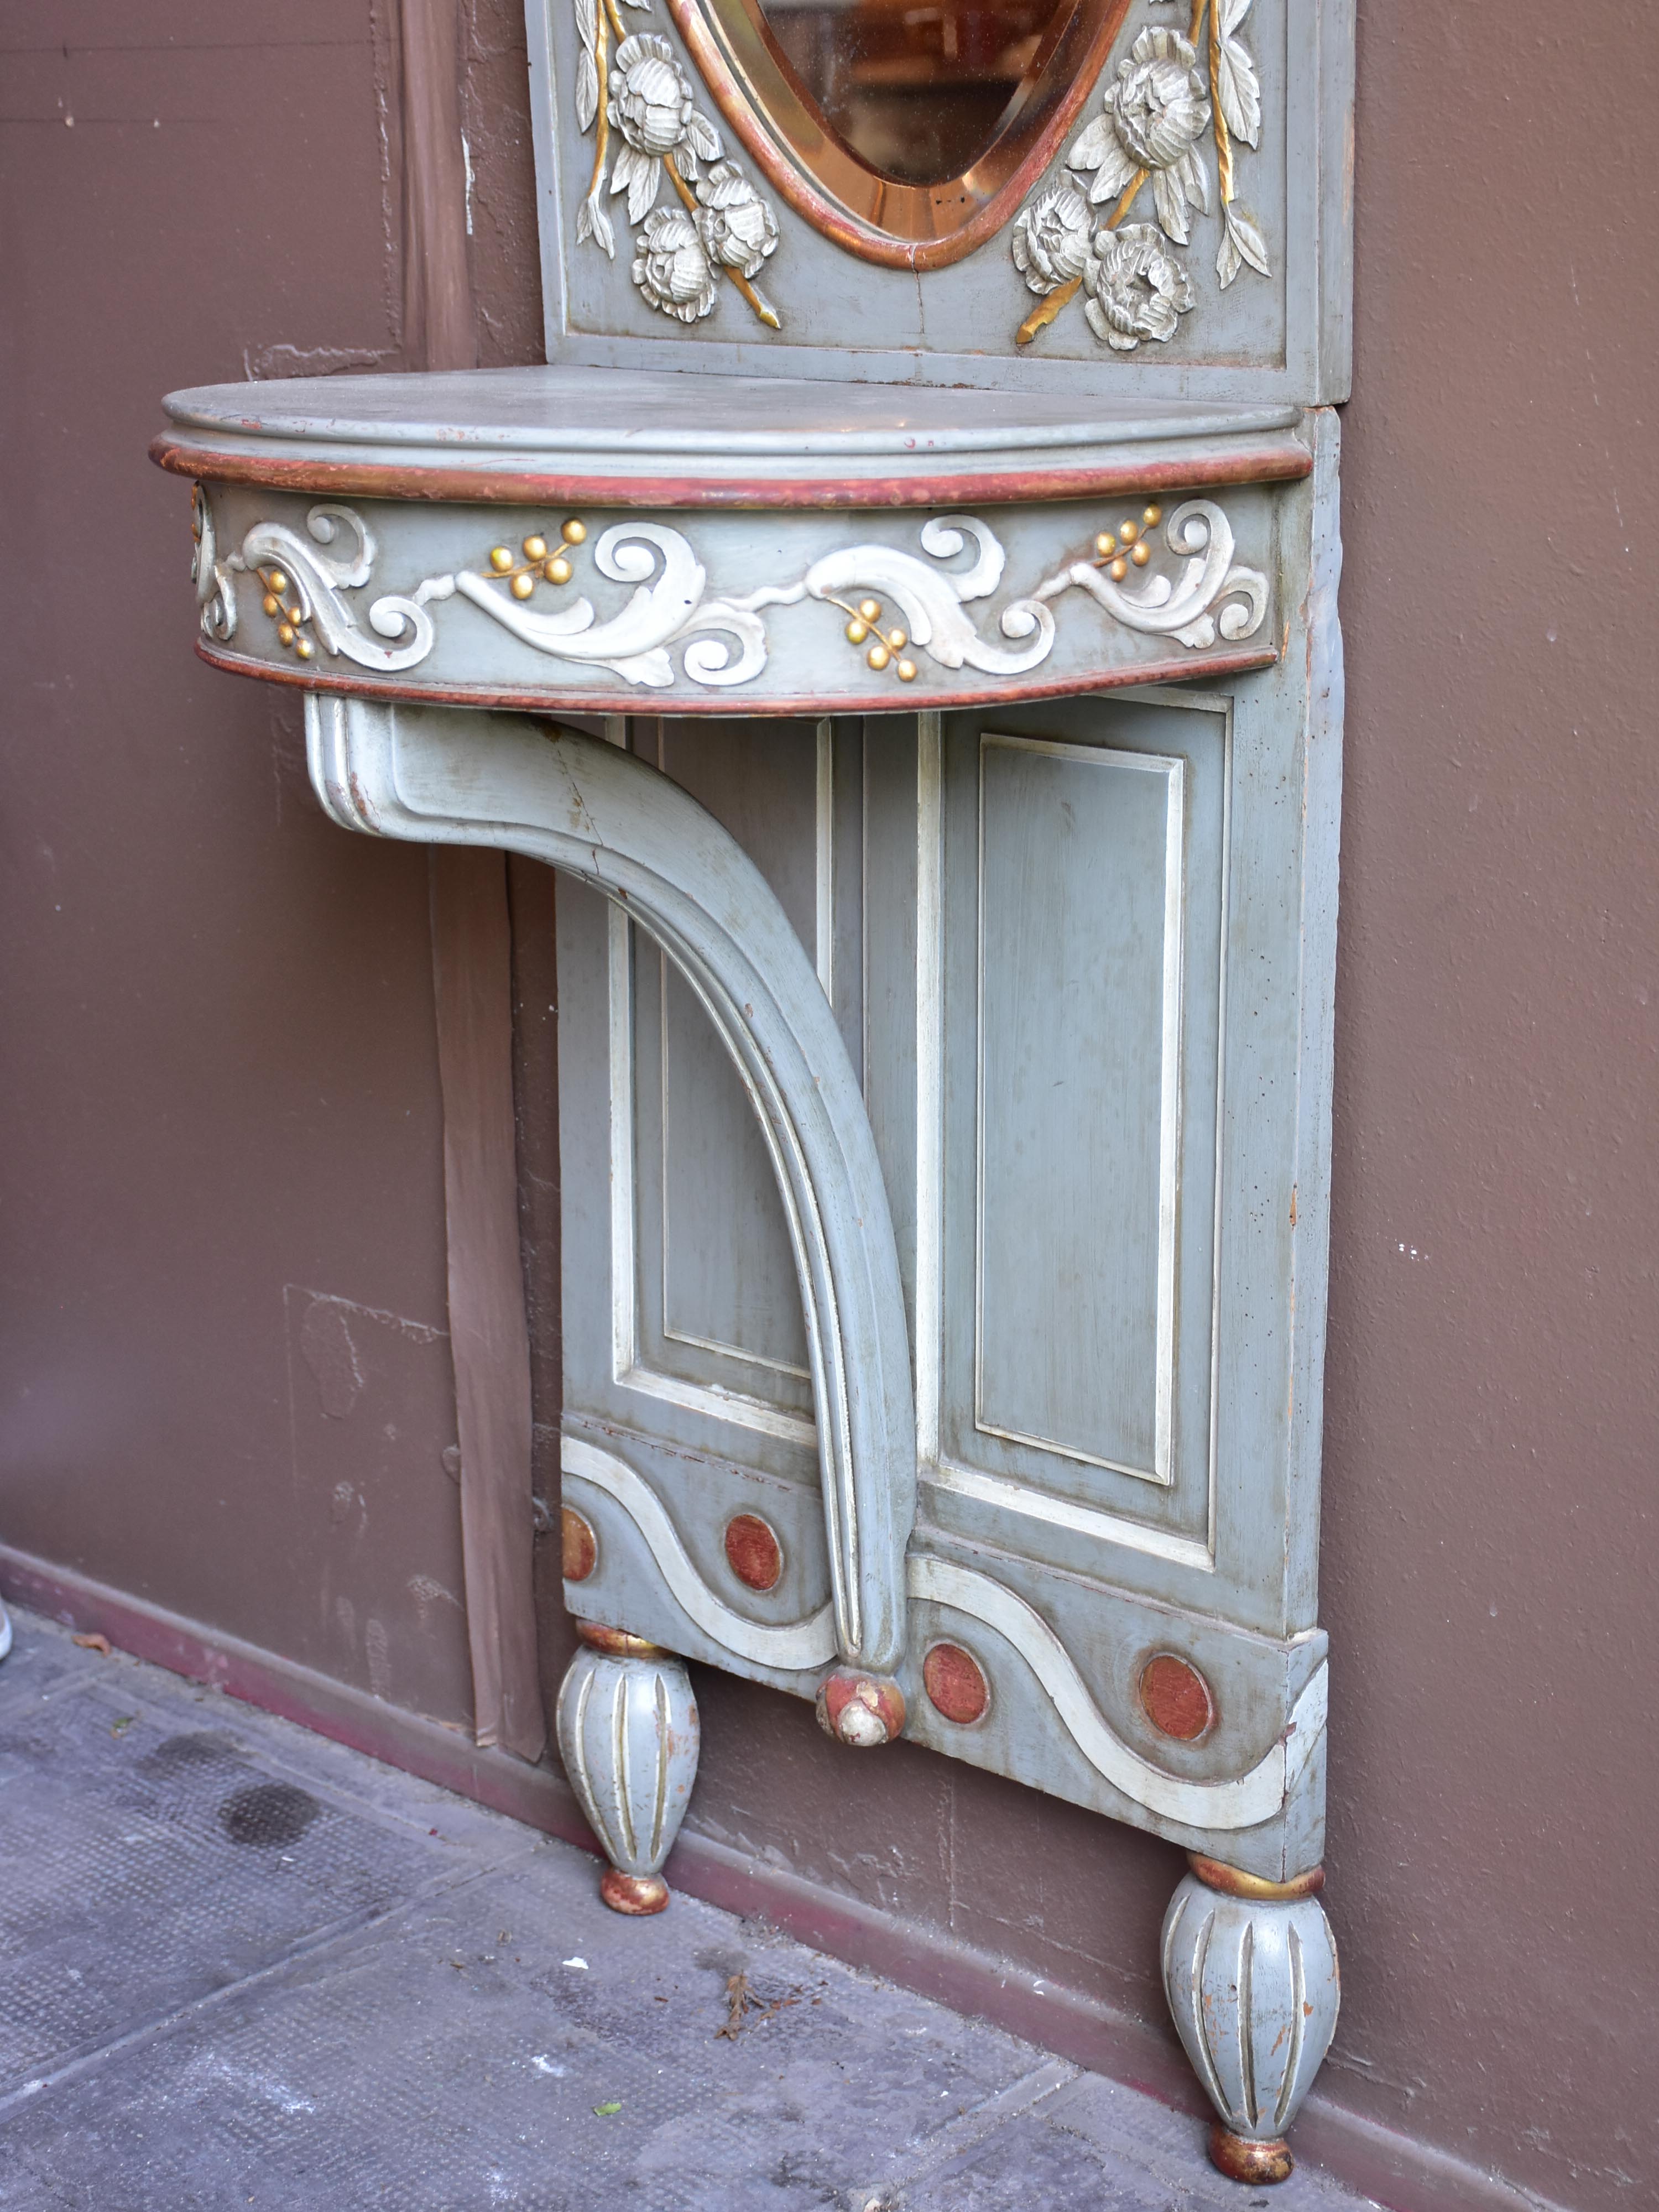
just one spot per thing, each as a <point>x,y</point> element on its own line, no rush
<point>799,1645</point>
<point>1007,1497</point>
<point>1227,1807</point>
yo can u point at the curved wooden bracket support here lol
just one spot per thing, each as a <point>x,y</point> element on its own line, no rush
<point>444,776</point>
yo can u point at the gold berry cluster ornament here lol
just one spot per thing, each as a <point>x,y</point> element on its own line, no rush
<point>1115,550</point>
<point>291,615</point>
<point>886,645</point>
<point>540,562</point>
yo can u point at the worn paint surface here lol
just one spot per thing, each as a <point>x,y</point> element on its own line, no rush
<point>202,1105</point>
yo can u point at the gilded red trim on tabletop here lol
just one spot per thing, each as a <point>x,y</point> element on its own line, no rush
<point>1188,470</point>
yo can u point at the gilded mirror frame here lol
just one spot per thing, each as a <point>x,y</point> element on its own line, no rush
<point>879,219</point>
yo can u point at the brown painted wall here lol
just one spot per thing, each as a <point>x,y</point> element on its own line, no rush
<point>224,1383</point>
<point>220,1137</point>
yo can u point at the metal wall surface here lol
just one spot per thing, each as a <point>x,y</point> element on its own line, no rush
<point>223,1254</point>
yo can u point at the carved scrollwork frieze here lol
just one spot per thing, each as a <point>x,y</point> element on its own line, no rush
<point>941,608</point>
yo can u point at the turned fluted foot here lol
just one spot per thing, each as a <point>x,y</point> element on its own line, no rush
<point>1249,1969</point>
<point>628,1738</point>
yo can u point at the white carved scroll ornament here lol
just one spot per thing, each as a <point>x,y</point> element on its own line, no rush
<point>445,776</point>
<point>1239,1801</point>
<point>301,584</point>
<point>722,640</point>
<point>801,1645</point>
<point>1243,1802</point>
<point>1212,593</point>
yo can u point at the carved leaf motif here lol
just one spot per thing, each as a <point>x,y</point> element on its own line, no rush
<point>1246,235</point>
<point>1238,90</point>
<point>1172,202</point>
<point>638,175</point>
<point>1195,178</point>
<point>588,26</point>
<point>1233,13</point>
<point>703,136</point>
<point>592,221</point>
<point>1098,147</point>
<point>1228,260</point>
<point>587,91</point>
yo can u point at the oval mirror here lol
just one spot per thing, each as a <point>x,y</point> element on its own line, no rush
<point>908,130</point>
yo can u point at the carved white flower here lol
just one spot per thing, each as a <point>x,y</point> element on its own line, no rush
<point>1137,288</point>
<point>736,225</point>
<point>651,100</point>
<point>671,265</point>
<point>1051,236</point>
<point>1156,113</point>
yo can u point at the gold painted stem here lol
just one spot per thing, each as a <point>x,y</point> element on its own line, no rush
<point>767,312</point>
<point>1128,200</point>
<point>1223,144</point>
<point>1046,309</point>
<point>602,66</point>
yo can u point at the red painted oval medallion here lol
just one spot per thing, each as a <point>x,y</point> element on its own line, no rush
<point>581,1546</point>
<point>1176,1698</point>
<point>753,1552</point>
<point>955,1683</point>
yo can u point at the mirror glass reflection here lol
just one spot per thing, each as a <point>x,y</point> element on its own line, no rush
<point>918,89</point>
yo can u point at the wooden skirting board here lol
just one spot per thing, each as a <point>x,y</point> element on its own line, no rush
<point>1401,2175</point>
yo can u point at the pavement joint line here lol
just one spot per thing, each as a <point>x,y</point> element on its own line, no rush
<point>971,2127</point>
<point>75,1685</point>
<point>91,2058</point>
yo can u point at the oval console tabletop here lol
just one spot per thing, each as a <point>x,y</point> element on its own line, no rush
<point>578,537</point>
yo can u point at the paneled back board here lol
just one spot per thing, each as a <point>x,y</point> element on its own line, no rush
<point>1079,954</point>
<point>1244,233</point>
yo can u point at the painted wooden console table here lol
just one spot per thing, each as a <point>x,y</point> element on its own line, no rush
<point>946,1023</point>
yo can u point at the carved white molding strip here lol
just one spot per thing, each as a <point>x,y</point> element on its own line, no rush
<point>723,641</point>
<point>1242,1802</point>
<point>798,1645</point>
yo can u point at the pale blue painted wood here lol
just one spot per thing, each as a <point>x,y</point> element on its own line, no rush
<point>1286,335</point>
<point>1217,1564</point>
<point>586,807</point>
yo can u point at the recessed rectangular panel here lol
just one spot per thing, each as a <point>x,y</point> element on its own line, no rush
<point>728,1275</point>
<point>1079,1061</point>
<point>717,1302</point>
<point>1079,918</point>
